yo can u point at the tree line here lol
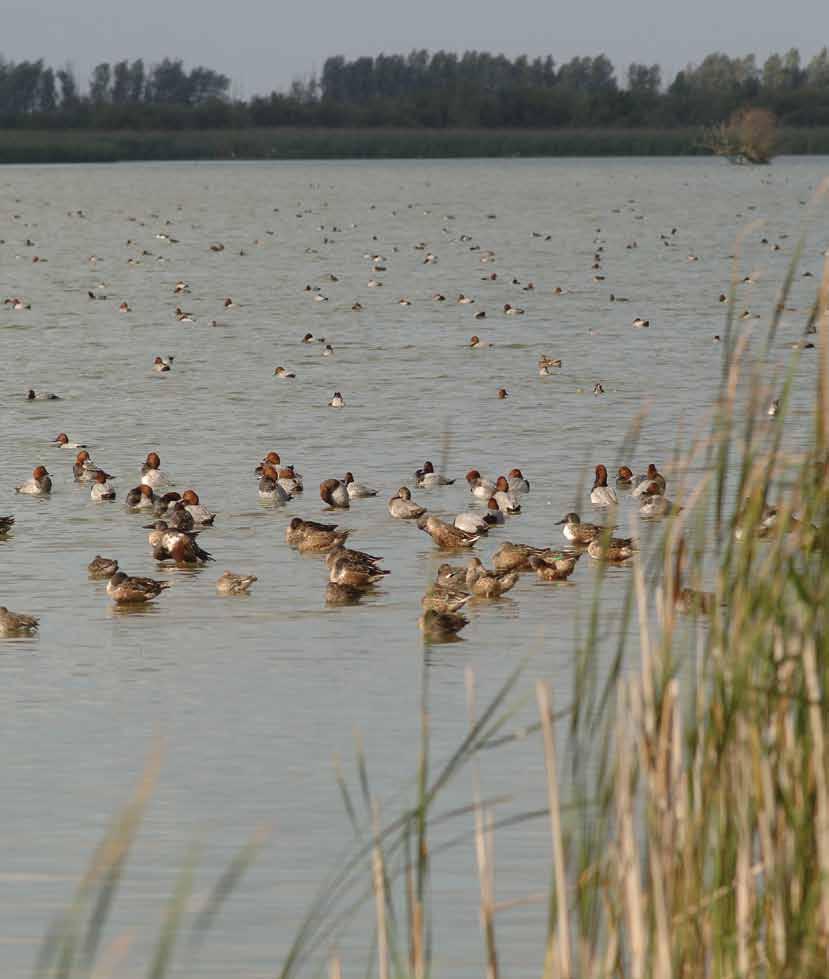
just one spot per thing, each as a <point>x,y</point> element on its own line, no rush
<point>439,90</point>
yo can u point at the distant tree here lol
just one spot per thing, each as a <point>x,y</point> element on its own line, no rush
<point>100,84</point>
<point>773,76</point>
<point>120,83</point>
<point>47,95</point>
<point>817,71</point>
<point>68,87</point>
<point>644,79</point>
<point>137,88</point>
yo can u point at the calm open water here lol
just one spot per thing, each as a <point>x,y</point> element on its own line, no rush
<point>255,696</point>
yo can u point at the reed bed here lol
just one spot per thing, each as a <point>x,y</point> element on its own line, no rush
<point>288,143</point>
<point>707,852</point>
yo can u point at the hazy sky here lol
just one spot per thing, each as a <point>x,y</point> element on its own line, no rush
<point>264,44</point>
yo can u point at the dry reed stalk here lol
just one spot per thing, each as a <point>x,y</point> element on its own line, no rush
<point>113,958</point>
<point>565,959</point>
<point>334,968</point>
<point>818,760</point>
<point>483,849</point>
<point>743,882</point>
<point>379,884</point>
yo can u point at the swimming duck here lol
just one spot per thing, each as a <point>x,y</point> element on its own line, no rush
<point>441,626</point>
<point>624,477</point>
<point>688,601</point>
<point>160,365</point>
<point>516,557</point>
<point>641,323</point>
<point>445,535</point>
<point>546,365</point>
<point>402,507</point>
<point>101,488</point>
<point>283,373</point>
<point>39,485</point>
<point>32,395</point>
<point>102,567</point>
<point>6,524</point>
<point>472,523</point>
<point>341,552</point>
<point>176,545</point>
<point>476,343</point>
<point>15,623</point>
<point>310,338</point>
<point>558,571</point>
<point>580,533</point>
<point>83,468</point>
<point>652,482</point>
<point>442,599</point>
<point>337,401</point>
<point>140,498</point>
<point>62,442</point>
<point>345,572</point>
<point>308,535</point>
<point>235,584</point>
<point>357,491</point>
<point>483,583</point>
<point>478,486</point>
<point>517,483</point>
<point>125,590</point>
<point>426,478</point>
<point>328,351</point>
<point>270,488</point>
<point>598,388</point>
<point>178,518</point>
<point>654,504</point>
<point>503,393</point>
<point>151,474</point>
<point>480,315</point>
<point>164,503</point>
<point>199,513</point>
<point>464,300</point>
<point>612,549</point>
<point>504,497</point>
<point>510,310</point>
<point>602,495</point>
<point>271,459</point>
<point>335,494</point>
<point>183,317</point>
<point>289,480</point>
<point>451,577</point>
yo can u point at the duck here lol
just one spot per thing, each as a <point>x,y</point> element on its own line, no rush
<point>178,518</point>
<point>343,571</point>
<point>126,590</point>
<point>557,571</point>
<point>472,523</point>
<point>6,524</point>
<point>503,393</point>
<point>308,535</point>
<point>83,468</point>
<point>102,567</point>
<point>402,507</point>
<point>32,395</point>
<point>478,486</point>
<point>16,623</point>
<point>341,552</point>
<point>688,601</point>
<point>476,343</point>
<point>483,583</point>
<point>235,584</point>
<point>517,483</point>
<point>546,365</point>
<point>613,549</point>
<point>427,478</point>
<point>180,546</point>
<point>270,488</point>
<point>328,350</point>
<point>151,474</point>
<point>598,388</point>
<point>199,513</point>
<point>140,498</point>
<point>283,373</point>
<point>624,477</point>
<point>39,485</point>
<point>101,488</point>
<point>480,315</point>
<point>442,599</point>
<point>183,317</point>
<point>516,557</point>
<point>774,408</point>
<point>271,459</point>
<point>310,338</point>
<point>652,482</point>
<point>337,401</point>
<point>441,626</point>
<point>504,497</point>
<point>357,491</point>
<point>451,577</point>
<point>445,535</point>
<point>640,323</point>
<point>289,480</point>
<point>337,594</point>
<point>580,533</point>
<point>164,503</point>
<point>62,442</point>
<point>464,300</point>
<point>510,310</point>
<point>161,366</point>
<point>334,494</point>
<point>654,504</point>
<point>602,495</point>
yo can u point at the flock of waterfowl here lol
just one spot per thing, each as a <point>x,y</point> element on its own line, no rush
<point>179,519</point>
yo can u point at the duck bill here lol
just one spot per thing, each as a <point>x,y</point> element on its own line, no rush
<point>558,523</point>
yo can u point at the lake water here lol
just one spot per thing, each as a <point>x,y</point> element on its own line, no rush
<point>255,696</point>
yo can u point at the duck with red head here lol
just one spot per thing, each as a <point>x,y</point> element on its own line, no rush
<point>101,487</point>
<point>160,365</point>
<point>83,468</point>
<point>62,442</point>
<point>271,459</point>
<point>269,487</point>
<point>653,482</point>
<point>504,497</point>
<point>624,477</point>
<point>290,480</point>
<point>427,478</point>
<point>141,498</point>
<point>357,491</point>
<point>334,494</point>
<point>493,515</point>
<point>601,494</point>
<point>151,474</point>
<point>517,483</point>
<point>200,514</point>
<point>39,485</point>
<point>478,486</point>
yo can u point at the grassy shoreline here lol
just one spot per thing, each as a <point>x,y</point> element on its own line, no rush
<point>96,146</point>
